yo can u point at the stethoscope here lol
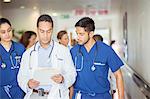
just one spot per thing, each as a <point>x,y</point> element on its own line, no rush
<point>34,49</point>
<point>80,55</point>
<point>14,64</point>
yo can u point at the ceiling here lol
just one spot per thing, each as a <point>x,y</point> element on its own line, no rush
<point>60,5</point>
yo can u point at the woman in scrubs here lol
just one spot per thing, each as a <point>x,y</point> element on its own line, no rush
<point>10,57</point>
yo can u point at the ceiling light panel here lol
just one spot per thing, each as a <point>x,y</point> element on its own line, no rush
<point>6,0</point>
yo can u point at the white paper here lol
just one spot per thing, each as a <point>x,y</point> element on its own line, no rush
<point>44,74</point>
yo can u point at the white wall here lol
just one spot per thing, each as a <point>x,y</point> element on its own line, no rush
<point>116,22</point>
<point>116,28</point>
<point>25,19</point>
<point>138,35</point>
<point>22,19</point>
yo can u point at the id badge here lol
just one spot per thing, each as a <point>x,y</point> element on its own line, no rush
<point>78,95</point>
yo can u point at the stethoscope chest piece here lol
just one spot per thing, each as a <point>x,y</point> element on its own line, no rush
<point>93,68</point>
<point>3,65</point>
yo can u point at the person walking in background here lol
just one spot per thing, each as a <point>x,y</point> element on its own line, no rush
<point>10,58</point>
<point>92,61</point>
<point>46,53</point>
<point>63,38</point>
<point>28,39</point>
<point>98,37</point>
<point>117,48</point>
<point>72,40</point>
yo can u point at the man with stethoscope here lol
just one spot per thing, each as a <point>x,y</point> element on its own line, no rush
<point>49,53</point>
<point>10,58</point>
<point>92,61</point>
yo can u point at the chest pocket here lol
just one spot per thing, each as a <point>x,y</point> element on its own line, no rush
<point>15,61</point>
<point>57,61</point>
<point>101,68</point>
<point>60,60</point>
<point>18,59</point>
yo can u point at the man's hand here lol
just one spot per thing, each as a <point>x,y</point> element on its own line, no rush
<point>33,83</point>
<point>58,78</point>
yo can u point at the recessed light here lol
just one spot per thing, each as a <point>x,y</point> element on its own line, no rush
<point>34,7</point>
<point>54,14</point>
<point>22,7</point>
<point>6,1</point>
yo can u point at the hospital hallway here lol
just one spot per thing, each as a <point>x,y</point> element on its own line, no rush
<point>126,22</point>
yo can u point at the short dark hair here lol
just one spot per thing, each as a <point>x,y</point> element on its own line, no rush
<point>4,20</point>
<point>87,23</point>
<point>46,18</point>
<point>61,33</point>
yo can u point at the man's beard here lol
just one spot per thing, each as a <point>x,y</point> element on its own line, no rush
<point>85,42</point>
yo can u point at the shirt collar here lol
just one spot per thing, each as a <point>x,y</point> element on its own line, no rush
<point>39,45</point>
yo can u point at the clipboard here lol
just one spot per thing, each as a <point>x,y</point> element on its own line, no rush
<point>44,74</point>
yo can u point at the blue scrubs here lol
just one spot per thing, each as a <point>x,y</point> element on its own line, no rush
<point>92,70</point>
<point>9,66</point>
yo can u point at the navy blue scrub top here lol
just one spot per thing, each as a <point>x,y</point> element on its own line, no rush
<point>102,57</point>
<point>9,88</point>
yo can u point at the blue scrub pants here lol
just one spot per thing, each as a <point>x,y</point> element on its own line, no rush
<point>97,96</point>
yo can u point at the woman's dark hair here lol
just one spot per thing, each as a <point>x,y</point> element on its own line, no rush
<point>97,37</point>
<point>46,18</point>
<point>4,20</point>
<point>61,33</point>
<point>25,37</point>
<point>112,42</point>
<point>87,23</point>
